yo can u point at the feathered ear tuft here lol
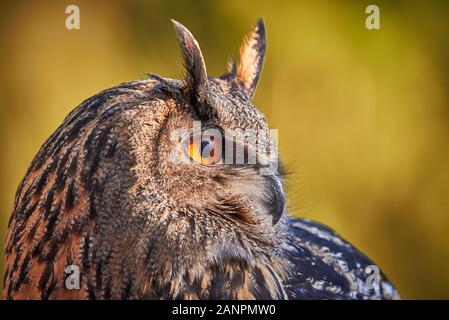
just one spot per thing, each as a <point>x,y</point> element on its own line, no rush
<point>252,53</point>
<point>196,75</point>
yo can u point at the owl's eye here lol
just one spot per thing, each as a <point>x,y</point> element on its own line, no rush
<point>205,150</point>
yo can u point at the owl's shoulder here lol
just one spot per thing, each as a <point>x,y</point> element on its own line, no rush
<point>326,266</point>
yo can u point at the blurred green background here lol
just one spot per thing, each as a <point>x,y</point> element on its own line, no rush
<point>363,115</point>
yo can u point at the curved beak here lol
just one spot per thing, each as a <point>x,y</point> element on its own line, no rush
<point>275,197</point>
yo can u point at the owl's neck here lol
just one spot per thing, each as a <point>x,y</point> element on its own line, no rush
<point>230,280</point>
<point>184,264</point>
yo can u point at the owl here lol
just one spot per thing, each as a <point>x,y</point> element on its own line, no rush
<point>172,189</point>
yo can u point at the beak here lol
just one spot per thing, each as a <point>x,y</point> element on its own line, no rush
<point>275,197</point>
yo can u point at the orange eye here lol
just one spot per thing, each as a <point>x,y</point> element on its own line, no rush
<point>204,150</point>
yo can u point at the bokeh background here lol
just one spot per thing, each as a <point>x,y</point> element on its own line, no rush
<point>363,115</point>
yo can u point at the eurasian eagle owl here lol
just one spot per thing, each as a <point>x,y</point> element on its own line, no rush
<point>134,191</point>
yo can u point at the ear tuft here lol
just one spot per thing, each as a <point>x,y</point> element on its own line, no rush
<point>252,53</point>
<point>196,75</point>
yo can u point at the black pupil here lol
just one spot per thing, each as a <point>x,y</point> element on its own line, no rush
<point>204,144</point>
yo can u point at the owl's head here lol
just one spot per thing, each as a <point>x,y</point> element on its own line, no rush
<point>167,178</point>
<point>207,156</point>
<point>215,151</point>
<point>164,179</point>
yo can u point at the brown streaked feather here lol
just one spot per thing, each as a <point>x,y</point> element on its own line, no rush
<point>54,204</point>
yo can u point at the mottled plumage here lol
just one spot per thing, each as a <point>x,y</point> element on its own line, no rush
<point>104,194</point>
